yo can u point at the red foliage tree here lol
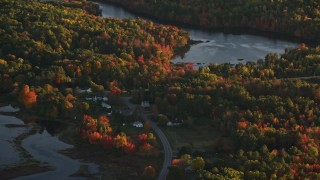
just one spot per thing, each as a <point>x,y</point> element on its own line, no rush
<point>106,141</point>
<point>94,138</point>
<point>57,79</point>
<point>142,138</point>
<point>146,148</point>
<point>130,148</point>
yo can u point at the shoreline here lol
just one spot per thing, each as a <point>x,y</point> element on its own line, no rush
<point>108,165</point>
<point>225,30</point>
<point>31,166</point>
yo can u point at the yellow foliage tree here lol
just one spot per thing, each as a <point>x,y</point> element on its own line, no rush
<point>120,141</point>
<point>198,163</point>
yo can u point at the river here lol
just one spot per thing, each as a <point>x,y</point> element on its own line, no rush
<point>217,47</point>
<point>9,154</point>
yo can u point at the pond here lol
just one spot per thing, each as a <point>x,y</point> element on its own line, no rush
<point>216,47</point>
<point>9,154</point>
<point>43,146</point>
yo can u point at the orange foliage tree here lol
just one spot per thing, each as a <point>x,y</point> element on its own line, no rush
<point>122,142</point>
<point>27,97</point>
<point>98,131</point>
<point>146,148</point>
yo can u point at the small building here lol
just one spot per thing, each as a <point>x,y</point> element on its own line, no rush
<point>137,124</point>
<point>169,123</point>
<point>175,122</point>
<point>101,98</point>
<point>108,107</point>
<point>97,98</point>
<point>145,105</point>
<point>85,90</point>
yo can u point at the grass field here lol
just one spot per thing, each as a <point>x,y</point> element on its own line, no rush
<point>200,137</point>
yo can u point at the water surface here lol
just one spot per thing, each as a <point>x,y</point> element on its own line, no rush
<point>9,154</point>
<point>217,48</point>
<point>43,146</point>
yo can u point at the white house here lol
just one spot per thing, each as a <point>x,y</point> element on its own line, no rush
<point>108,107</point>
<point>95,99</point>
<point>85,90</point>
<point>102,98</point>
<point>105,105</point>
<point>175,122</point>
<point>137,124</point>
<point>145,104</point>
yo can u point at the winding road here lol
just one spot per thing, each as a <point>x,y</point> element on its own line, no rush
<point>166,148</point>
<point>165,143</point>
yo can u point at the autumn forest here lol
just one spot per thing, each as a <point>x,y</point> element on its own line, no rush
<point>265,112</point>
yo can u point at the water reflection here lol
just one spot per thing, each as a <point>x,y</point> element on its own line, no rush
<point>109,10</point>
<point>43,146</point>
<point>221,48</point>
<point>9,155</point>
<point>9,109</point>
<point>51,127</point>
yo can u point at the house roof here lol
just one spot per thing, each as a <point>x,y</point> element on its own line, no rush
<point>137,124</point>
<point>145,104</point>
<point>105,105</point>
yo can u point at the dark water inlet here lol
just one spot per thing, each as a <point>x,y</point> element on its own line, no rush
<point>9,155</point>
<point>42,146</point>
